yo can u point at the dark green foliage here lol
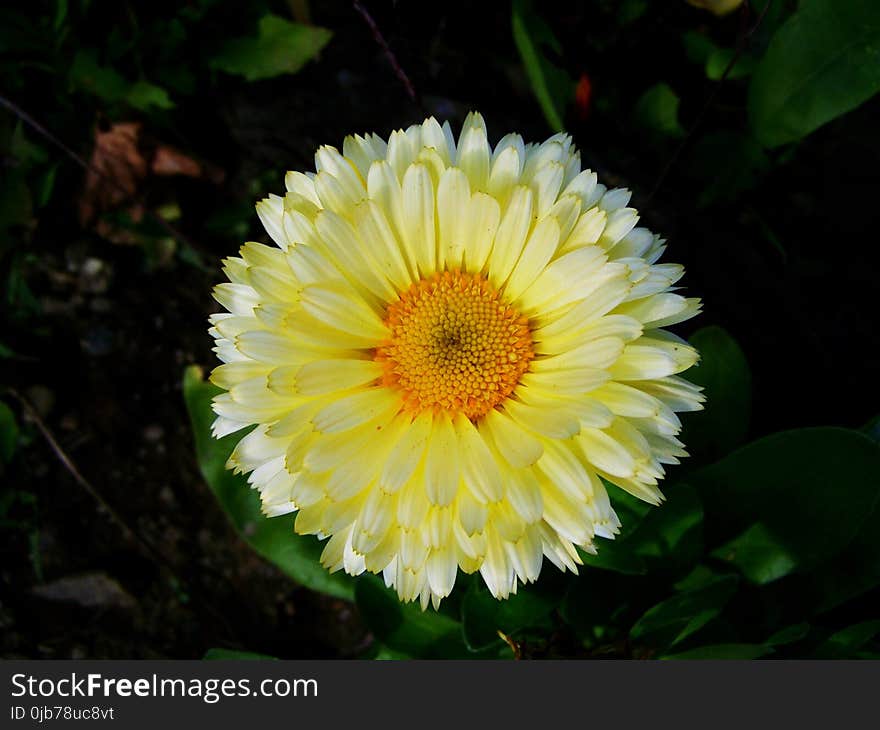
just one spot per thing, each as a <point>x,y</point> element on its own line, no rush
<point>728,163</point>
<point>823,62</point>
<point>404,627</point>
<point>657,111</point>
<point>811,490</point>
<point>552,87</point>
<point>8,433</point>
<point>723,372</point>
<point>280,47</point>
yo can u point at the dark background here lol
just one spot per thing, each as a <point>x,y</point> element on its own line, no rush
<point>100,320</point>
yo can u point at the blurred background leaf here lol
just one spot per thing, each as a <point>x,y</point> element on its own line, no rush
<point>723,651</point>
<point>675,619</point>
<point>758,555</point>
<point>404,627</point>
<point>553,88</point>
<point>848,642</point>
<point>280,47</point>
<point>810,489</point>
<point>856,569</point>
<point>483,616</point>
<point>717,7</point>
<point>9,433</point>
<point>657,111</point>
<point>729,163</point>
<point>721,58</point>
<point>823,62</point>
<point>723,372</point>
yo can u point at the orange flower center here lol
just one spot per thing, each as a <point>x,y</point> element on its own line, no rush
<point>455,345</point>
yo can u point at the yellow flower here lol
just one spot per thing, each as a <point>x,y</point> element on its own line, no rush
<point>449,348</point>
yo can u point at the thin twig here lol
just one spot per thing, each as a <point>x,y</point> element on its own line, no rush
<point>72,469</point>
<point>389,54</point>
<point>740,49</point>
<point>89,167</point>
<point>148,550</point>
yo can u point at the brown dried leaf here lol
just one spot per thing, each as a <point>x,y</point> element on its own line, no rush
<point>169,161</point>
<point>116,171</point>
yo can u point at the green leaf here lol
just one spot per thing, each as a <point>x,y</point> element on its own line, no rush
<point>811,490</point>
<point>697,47</point>
<point>601,604</point>
<point>227,654</point>
<point>26,153</point>
<point>46,185</point>
<point>823,62</point>
<point>872,429</point>
<point>724,373</point>
<point>60,14</point>
<point>719,59</point>
<point>615,555</point>
<point>273,538</point>
<point>847,642</point>
<point>726,164</point>
<point>630,11</point>
<point>109,85</point>
<point>758,555</point>
<point>671,534</point>
<point>16,203</point>
<point>700,576</point>
<point>381,653</point>
<point>88,75</point>
<point>144,96</point>
<point>676,618</point>
<point>789,634</point>
<point>723,651</point>
<point>853,571</point>
<point>484,616</point>
<point>8,433</point>
<point>552,87</point>
<point>775,13</point>
<point>657,111</point>
<point>280,47</point>
<point>404,627</point>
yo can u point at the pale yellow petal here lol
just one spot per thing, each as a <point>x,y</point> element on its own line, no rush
<point>326,376</point>
<point>442,462</point>
<point>418,217</point>
<point>453,202</point>
<point>518,447</point>
<point>352,410</point>
<point>511,235</point>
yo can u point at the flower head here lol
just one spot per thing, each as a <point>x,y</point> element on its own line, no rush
<point>449,348</point>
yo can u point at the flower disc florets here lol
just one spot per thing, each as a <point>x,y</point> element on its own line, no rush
<point>449,348</point>
<point>454,345</point>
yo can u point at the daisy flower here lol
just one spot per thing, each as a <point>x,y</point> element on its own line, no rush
<point>448,350</point>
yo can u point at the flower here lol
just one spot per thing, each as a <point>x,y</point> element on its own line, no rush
<point>446,352</point>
